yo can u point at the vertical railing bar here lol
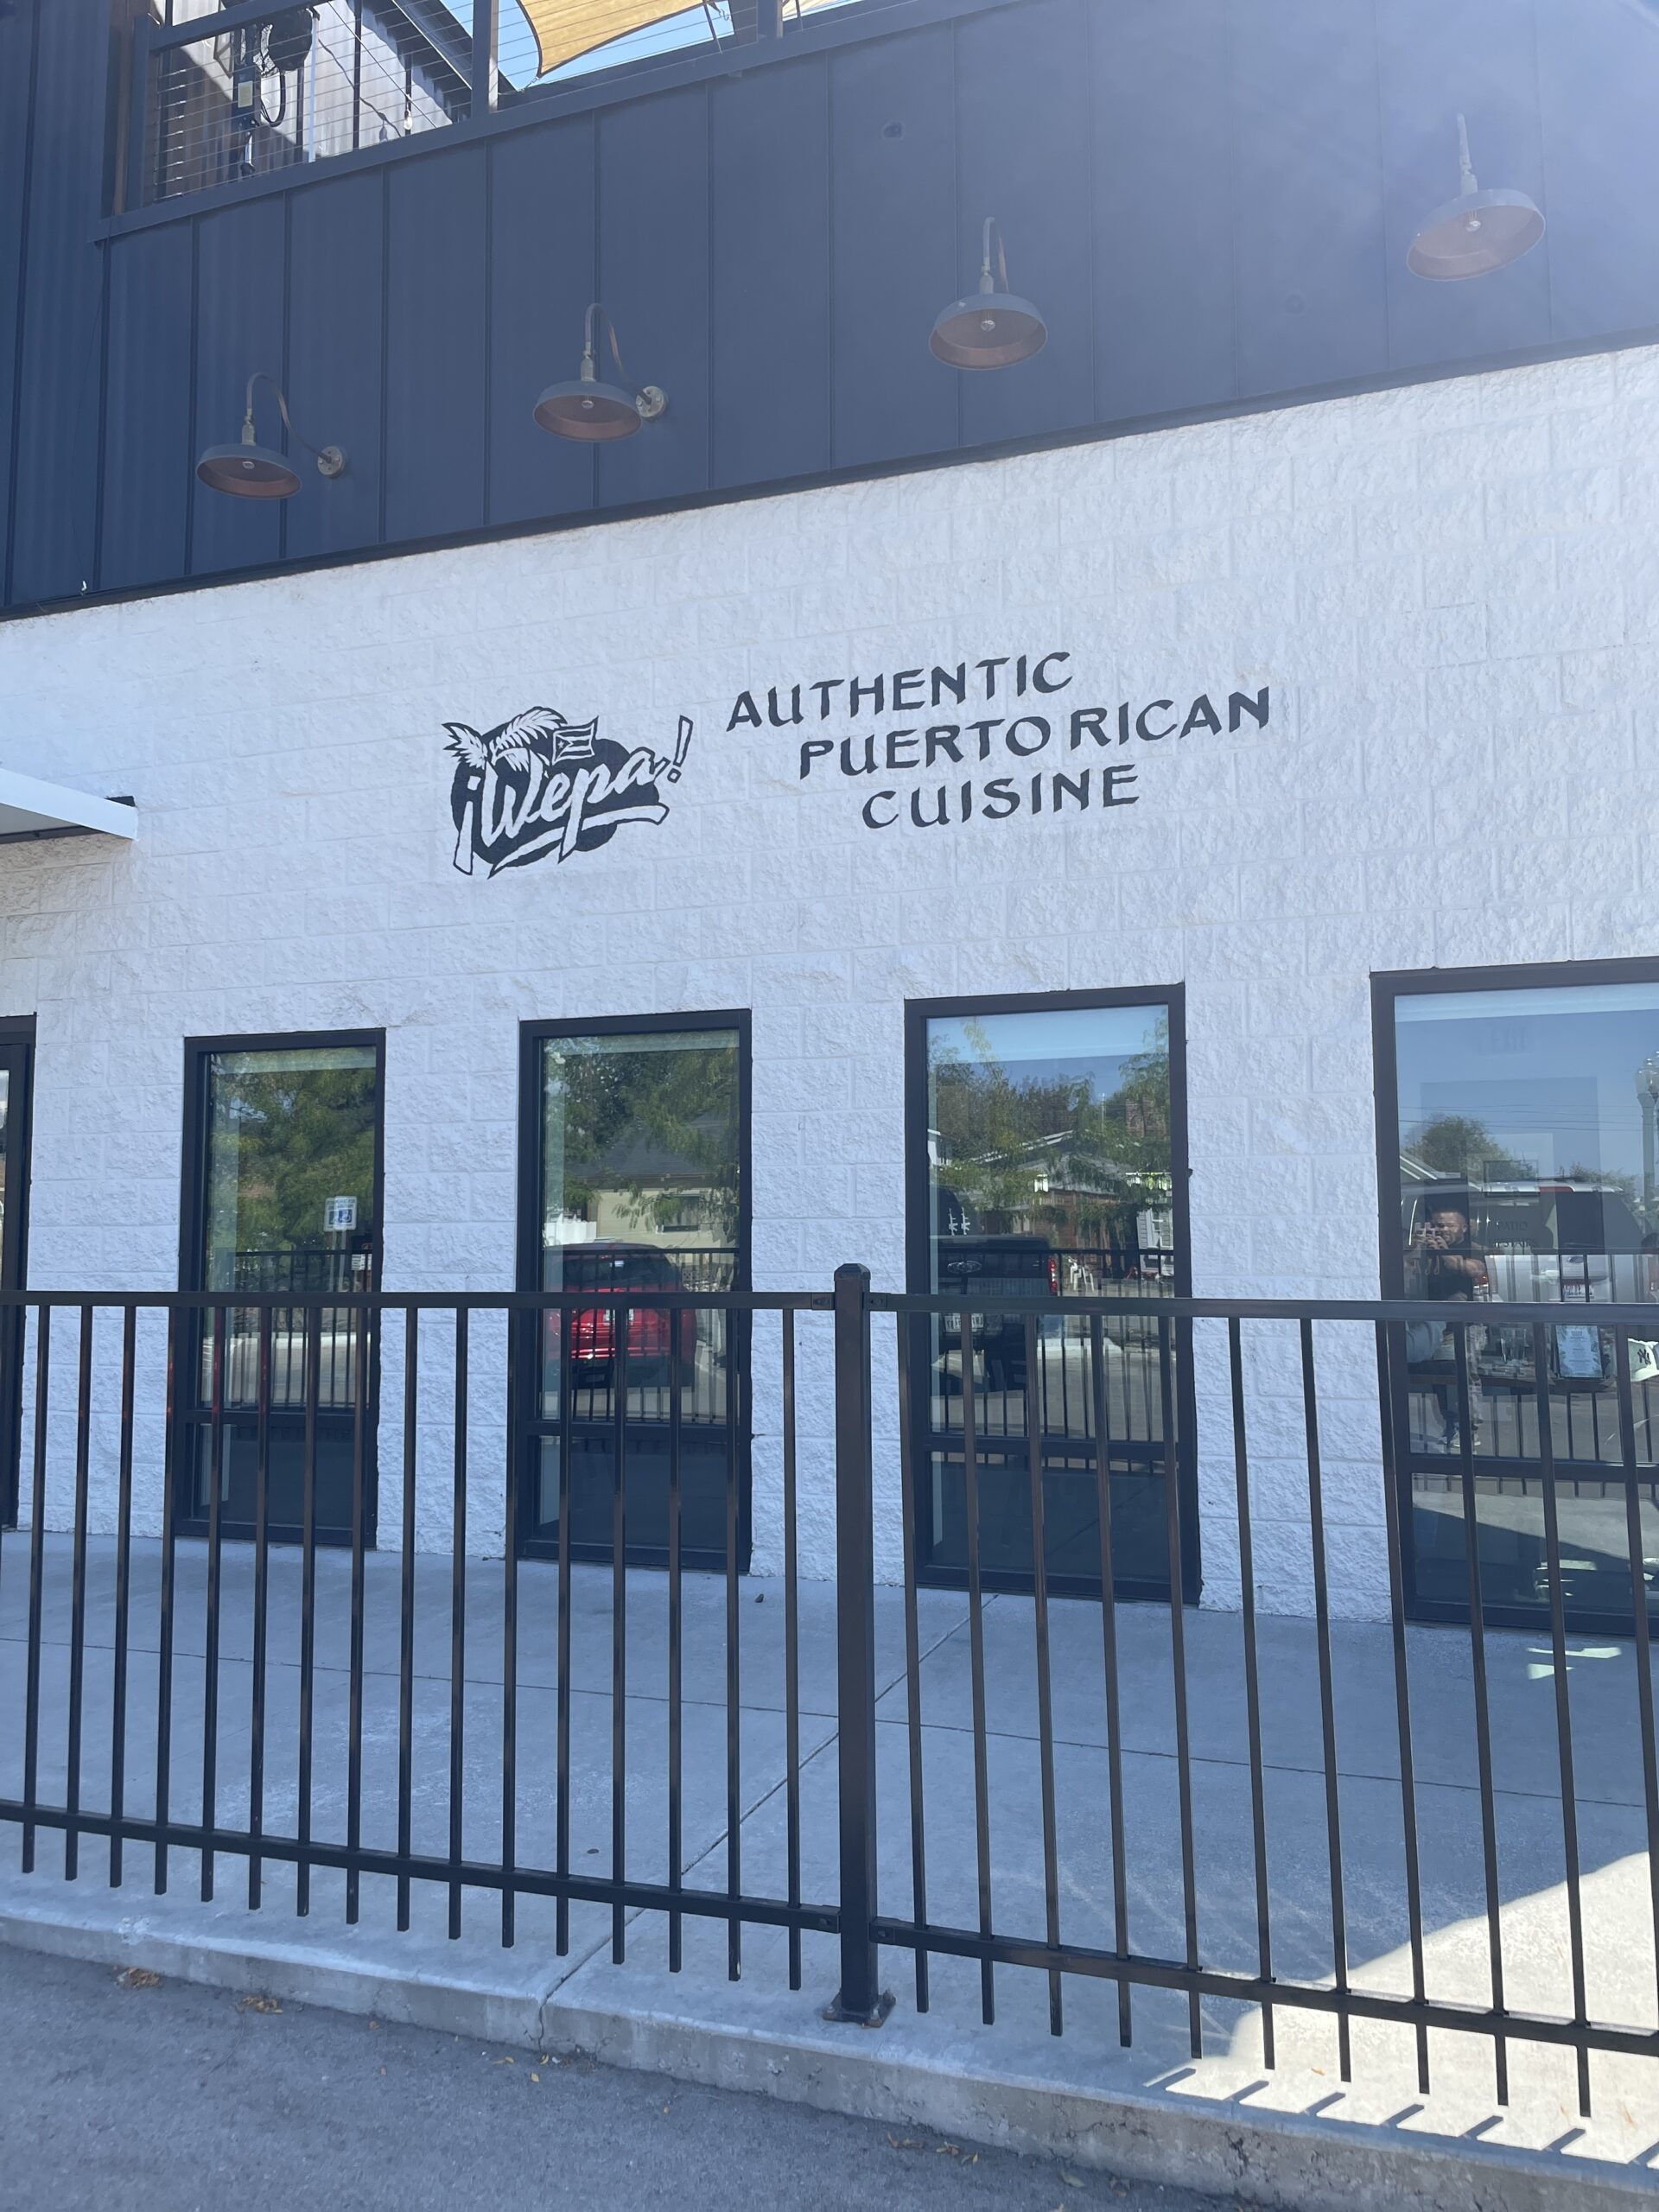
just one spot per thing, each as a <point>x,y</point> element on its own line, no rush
<point>1640,1622</point>
<point>360,1325</point>
<point>733,1685</point>
<point>1035,1399</point>
<point>261,1609</point>
<point>510,1645</point>
<point>791,1655</point>
<point>78,1599</point>
<point>122,1595</point>
<point>308,1602</point>
<point>406,1612</point>
<point>1177,1670</point>
<point>561,1820</point>
<point>1252,1675</point>
<point>1327,1701</point>
<point>172,1473</point>
<point>676,1635</point>
<point>1109,1641</point>
<point>1402,1687</point>
<point>1563,1708</point>
<point>906,1331</point>
<point>1482,1720</point>
<point>458,1628</point>
<point>36,1573</point>
<point>215,1564</point>
<point>620,1323</point>
<point>976,1660</point>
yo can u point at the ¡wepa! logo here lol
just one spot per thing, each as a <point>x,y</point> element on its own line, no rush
<point>539,785</point>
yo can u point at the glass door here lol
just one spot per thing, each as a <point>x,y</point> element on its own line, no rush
<point>1047,1161</point>
<point>1519,1111</point>
<point>635,1179</point>
<point>283,1158</point>
<point>16,1069</point>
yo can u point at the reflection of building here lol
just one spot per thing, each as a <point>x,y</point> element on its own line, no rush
<point>640,1187</point>
<point>1112,1218</point>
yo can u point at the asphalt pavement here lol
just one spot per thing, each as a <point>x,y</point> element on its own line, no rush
<point>126,2090</point>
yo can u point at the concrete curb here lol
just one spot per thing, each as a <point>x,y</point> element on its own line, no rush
<point>1286,2160</point>
<point>1233,2149</point>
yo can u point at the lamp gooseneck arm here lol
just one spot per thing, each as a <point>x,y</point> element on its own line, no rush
<point>595,314</point>
<point>262,375</point>
<point>1466,179</point>
<point>987,281</point>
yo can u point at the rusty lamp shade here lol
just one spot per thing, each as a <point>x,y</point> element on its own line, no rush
<point>590,411</point>
<point>248,470</point>
<point>994,328</point>
<point>1477,232</point>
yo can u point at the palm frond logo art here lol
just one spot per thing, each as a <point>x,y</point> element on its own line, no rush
<point>539,785</point>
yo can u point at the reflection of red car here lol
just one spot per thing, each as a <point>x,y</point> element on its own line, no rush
<point>614,1270</point>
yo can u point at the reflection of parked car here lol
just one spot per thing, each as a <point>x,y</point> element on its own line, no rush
<point>615,1269</point>
<point>987,1267</point>
<point>1586,1583</point>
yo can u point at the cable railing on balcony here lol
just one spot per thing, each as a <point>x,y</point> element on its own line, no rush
<point>223,92</point>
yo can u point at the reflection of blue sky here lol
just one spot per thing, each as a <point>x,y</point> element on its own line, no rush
<point>1043,1047</point>
<point>1551,1075</point>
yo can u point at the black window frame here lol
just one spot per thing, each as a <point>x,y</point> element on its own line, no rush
<point>529,1426</point>
<point>1388,988</point>
<point>16,1037</point>
<point>192,1224</point>
<point>1172,999</point>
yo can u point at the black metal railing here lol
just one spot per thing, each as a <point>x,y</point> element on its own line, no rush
<point>1290,1805</point>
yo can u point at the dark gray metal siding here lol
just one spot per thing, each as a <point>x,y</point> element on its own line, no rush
<point>1210,200</point>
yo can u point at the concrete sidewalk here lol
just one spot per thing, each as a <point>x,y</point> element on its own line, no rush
<point>1293,2136</point>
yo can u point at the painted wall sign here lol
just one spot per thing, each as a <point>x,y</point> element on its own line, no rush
<point>1027,748</point>
<point>540,784</point>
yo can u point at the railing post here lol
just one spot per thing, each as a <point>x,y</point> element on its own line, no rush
<point>485,33</point>
<point>138,55</point>
<point>860,1999</point>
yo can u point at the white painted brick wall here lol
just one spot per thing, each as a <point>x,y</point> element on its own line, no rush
<point>1454,590</point>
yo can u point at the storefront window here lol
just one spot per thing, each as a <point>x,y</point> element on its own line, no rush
<point>288,1140</point>
<point>1050,1171</point>
<point>639,1188</point>
<point>1526,1161</point>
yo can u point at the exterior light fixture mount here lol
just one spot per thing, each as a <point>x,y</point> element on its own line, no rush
<point>591,410</point>
<point>994,328</point>
<point>1477,232</point>
<point>248,470</point>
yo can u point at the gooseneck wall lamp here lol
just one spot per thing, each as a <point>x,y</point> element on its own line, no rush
<point>992,328</point>
<point>1477,232</point>
<point>248,470</point>
<point>591,410</point>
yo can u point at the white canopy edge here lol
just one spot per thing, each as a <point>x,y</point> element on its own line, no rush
<point>29,807</point>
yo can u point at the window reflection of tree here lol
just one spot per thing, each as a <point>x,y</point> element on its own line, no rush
<point>1045,1152</point>
<point>656,1130</point>
<point>284,1142</point>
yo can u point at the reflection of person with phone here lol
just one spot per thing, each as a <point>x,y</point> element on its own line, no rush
<point>1442,1262</point>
